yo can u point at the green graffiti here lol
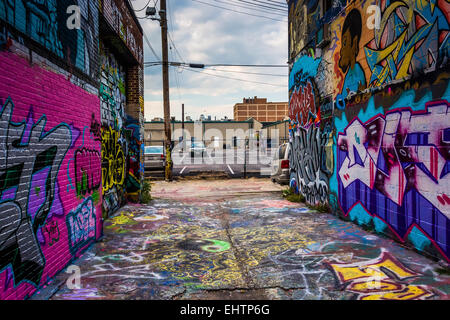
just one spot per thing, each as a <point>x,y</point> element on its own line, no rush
<point>95,197</point>
<point>216,246</point>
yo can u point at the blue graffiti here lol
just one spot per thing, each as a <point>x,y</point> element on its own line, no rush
<point>81,225</point>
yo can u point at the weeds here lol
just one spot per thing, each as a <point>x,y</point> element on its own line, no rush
<point>290,195</point>
<point>145,192</point>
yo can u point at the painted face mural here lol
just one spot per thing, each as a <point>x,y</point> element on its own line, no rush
<point>351,34</point>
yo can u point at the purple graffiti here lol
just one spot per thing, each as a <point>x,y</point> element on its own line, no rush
<point>397,167</point>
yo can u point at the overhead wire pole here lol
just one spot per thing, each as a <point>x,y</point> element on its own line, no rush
<point>166,94</point>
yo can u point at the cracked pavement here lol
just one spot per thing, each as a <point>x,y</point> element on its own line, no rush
<point>239,239</point>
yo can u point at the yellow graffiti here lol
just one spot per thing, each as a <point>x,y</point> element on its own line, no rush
<point>113,160</point>
<point>141,104</point>
<point>218,269</point>
<point>379,279</point>
<point>375,286</point>
<point>122,219</point>
<point>395,60</point>
<point>409,292</point>
<point>356,271</point>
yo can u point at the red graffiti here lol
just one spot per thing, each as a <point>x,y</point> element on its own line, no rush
<point>302,104</point>
<point>52,231</point>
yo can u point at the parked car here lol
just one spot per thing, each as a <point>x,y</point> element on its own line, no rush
<point>280,164</point>
<point>154,158</point>
<point>197,148</point>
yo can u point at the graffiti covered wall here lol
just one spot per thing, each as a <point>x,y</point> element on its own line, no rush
<point>120,135</point>
<point>46,23</point>
<point>370,119</point>
<point>50,197</point>
<point>121,91</point>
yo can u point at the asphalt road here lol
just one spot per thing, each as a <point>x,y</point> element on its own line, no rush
<point>234,164</point>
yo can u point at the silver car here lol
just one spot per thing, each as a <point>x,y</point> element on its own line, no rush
<point>280,165</point>
<point>154,158</point>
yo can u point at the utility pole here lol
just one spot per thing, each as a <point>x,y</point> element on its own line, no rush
<point>165,71</point>
<point>182,126</point>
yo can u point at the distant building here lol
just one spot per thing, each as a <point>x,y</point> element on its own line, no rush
<point>207,131</point>
<point>260,110</point>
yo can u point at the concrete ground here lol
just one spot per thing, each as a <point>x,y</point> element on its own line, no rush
<point>239,239</point>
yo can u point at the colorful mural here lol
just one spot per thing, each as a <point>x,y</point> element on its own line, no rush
<point>122,147</point>
<point>46,23</point>
<point>384,69</point>
<point>48,176</point>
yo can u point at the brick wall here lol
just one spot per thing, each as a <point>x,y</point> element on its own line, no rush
<point>46,25</point>
<point>50,199</point>
<point>70,150</point>
<point>370,116</point>
<point>121,92</point>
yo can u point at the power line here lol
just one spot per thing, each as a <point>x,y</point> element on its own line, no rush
<point>254,73</point>
<point>201,66</point>
<point>150,46</point>
<point>247,65</point>
<point>274,2</point>
<point>270,6</point>
<point>236,79</point>
<point>249,14</point>
<point>139,10</point>
<point>252,8</point>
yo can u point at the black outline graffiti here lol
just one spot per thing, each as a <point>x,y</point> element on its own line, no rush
<point>19,246</point>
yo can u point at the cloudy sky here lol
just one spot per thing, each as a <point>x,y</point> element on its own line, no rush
<point>205,34</point>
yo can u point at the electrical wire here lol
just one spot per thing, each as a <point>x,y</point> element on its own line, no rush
<point>236,79</point>
<point>246,13</point>
<point>264,6</point>
<point>253,73</point>
<point>251,8</point>
<point>172,63</point>
<point>150,46</point>
<point>139,10</point>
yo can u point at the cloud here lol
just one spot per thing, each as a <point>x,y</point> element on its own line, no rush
<point>203,34</point>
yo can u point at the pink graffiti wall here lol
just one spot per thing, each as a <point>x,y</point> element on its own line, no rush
<point>50,174</point>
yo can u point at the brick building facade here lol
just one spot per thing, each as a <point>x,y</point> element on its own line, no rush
<point>71,127</point>
<point>260,110</point>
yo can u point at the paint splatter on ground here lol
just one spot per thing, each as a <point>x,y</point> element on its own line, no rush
<point>233,240</point>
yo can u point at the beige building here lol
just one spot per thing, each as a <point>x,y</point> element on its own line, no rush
<point>278,130</point>
<point>261,110</point>
<point>231,133</point>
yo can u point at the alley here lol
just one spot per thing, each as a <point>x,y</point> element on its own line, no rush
<point>235,239</point>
